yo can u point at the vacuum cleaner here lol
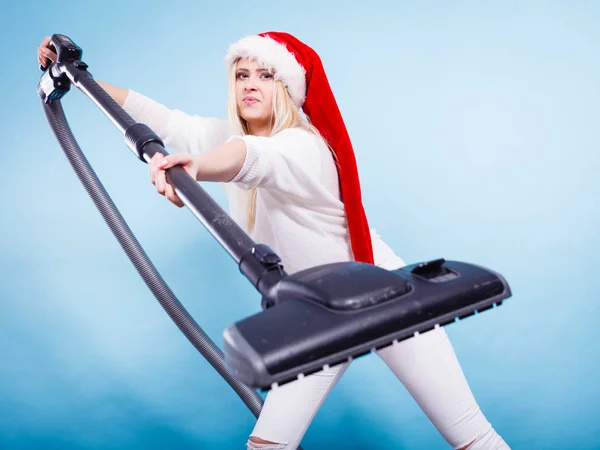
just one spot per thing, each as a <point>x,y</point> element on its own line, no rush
<point>309,320</point>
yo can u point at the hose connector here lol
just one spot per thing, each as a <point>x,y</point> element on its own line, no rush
<point>137,136</point>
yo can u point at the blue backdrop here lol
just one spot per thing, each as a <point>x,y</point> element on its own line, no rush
<point>475,128</point>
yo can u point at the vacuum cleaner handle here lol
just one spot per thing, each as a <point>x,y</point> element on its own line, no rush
<point>65,49</point>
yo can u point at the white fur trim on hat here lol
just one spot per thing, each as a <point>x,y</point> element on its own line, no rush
<point>272,55</point>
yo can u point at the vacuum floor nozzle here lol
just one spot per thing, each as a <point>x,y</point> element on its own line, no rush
<point>336,312</point>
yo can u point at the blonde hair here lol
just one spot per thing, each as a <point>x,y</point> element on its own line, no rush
<point>283,115</point>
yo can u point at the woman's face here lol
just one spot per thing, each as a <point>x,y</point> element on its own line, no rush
<point>254,93</point>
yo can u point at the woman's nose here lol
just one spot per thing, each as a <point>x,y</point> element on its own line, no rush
<point>250,84</point>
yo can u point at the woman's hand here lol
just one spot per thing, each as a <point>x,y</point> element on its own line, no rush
<point>44,53</point>
<point>158,166</point>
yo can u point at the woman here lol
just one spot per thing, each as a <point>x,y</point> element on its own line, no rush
<point>288,166</point>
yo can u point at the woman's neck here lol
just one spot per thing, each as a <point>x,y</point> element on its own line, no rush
<point>259,129</point>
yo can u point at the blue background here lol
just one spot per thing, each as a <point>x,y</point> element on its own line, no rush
<point>475,127</point>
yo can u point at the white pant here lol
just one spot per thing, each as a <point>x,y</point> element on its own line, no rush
<point>428,368</point>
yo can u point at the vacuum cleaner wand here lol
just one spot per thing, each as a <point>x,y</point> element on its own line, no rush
<point>258,263</point>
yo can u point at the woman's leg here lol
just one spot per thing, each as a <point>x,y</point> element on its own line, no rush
<point>289,410</point>
<point>428,368</point>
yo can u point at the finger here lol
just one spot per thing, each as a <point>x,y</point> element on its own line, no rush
<point>156,158</point>
<point>45,42</point>
<point>47,55</point>
<point>160,182</point>
<point>151,170</point>
<point>172,196</point>
<point>41,57</point>
<point>173,160</point>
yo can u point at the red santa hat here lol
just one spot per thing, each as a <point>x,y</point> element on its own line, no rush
<point>300,69</point>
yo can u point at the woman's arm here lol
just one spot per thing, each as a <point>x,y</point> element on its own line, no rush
<point>294,162</point>
<point>221,164</point>
<point>180,132</point>
<point>117,93</point>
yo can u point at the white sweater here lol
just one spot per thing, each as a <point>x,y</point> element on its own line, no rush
<point>299,213</point>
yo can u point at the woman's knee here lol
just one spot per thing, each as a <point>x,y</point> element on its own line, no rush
<point>256,443</point>
<point>489,440</point>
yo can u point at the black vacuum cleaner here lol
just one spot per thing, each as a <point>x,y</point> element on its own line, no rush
<point>314,318</point>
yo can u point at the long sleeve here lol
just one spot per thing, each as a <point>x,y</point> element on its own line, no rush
<point>291,163</point>
<point>180,132</point>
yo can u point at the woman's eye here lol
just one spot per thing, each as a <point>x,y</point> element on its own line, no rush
<point>244,76</point>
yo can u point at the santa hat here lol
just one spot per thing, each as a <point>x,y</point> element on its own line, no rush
<point>300,69</point>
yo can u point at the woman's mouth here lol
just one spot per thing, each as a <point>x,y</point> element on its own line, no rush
<point>249,101</point>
